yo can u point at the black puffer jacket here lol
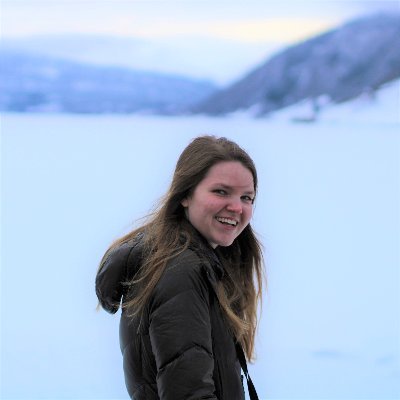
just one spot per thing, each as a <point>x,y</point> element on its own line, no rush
<point>182,349</point>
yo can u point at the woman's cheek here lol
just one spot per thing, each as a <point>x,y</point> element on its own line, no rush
<point>249,212</point>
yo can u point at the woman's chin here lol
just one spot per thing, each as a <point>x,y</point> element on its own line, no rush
<point>222,242</point>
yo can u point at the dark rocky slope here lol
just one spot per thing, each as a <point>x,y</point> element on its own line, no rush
<point>339,65</point>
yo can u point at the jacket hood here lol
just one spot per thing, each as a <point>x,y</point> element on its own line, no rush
<point>124,261</point>
<point>120,266</point>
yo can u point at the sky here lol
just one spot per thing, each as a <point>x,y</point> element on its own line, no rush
<point>216,40</point>
<point>246,21</point>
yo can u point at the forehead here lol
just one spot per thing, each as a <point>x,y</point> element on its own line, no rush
<point>230,173</point>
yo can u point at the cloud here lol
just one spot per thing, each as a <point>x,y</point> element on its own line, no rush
<point>250,21</point>
<point>283,30</point>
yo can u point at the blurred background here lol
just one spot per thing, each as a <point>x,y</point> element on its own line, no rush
<point>98,98</point>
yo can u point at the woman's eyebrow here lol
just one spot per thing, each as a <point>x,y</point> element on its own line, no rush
<point>224,186</point>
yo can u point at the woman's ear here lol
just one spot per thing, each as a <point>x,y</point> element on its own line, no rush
<point>185,202</point>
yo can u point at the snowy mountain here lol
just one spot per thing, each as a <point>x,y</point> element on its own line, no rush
<point>96,75</point>
<point>197,57</point>
<point>381,106</point>
<point>39,83</point>
<point>336,66</point>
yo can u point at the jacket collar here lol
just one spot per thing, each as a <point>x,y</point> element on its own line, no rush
<point>201,246</point>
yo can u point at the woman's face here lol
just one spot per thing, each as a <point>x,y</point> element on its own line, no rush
<point>221,205</point>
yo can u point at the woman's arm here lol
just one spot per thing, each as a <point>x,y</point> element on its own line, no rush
<point>180,332</point>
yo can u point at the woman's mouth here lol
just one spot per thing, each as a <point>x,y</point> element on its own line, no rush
<point>227,221</point>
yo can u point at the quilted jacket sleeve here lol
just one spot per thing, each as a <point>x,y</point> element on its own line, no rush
<point>180,332</point>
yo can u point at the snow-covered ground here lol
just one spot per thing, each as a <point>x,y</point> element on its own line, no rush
<point>327,211</point>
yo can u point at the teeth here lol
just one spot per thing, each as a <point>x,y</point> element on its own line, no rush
<point>227,221</point>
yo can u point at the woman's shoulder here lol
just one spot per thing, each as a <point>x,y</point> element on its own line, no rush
<point>185,265</point>
<point>184,272</point>
<point>196,269</point>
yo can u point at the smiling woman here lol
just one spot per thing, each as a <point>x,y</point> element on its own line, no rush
<point>221,204</point>
<point>189,281</point>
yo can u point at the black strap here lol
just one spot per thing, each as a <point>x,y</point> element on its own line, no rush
<point>243,364</point>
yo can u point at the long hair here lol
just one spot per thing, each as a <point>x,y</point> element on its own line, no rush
<point>167,233</point>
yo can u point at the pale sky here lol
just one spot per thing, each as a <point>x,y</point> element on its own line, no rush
<point>247,20</point>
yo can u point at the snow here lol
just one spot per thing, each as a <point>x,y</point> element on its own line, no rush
<point>381,106</point>
<point>327,212</point>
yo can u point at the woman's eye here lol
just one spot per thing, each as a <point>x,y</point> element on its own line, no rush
<point>248,199</point>
<point>220,191</point>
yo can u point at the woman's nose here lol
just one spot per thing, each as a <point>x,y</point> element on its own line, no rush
<point>235,205</point>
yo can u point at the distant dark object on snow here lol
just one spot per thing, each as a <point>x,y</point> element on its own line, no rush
<point>30,83</point>
<point>338,65</point>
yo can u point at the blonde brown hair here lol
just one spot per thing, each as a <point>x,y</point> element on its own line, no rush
<point>240,290</point>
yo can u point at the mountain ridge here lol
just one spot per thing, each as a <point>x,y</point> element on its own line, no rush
<point>337,65</point>
<point>41,83</point>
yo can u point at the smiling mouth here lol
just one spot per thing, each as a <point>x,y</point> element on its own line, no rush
<point>226,221</point>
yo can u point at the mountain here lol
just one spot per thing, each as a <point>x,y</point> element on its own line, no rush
<point>195,56</point>
<point>31,82</point>
<point>381,106</point>
<point>336,66</point>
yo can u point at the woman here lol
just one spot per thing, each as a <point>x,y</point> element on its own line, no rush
<point>186,281</point>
